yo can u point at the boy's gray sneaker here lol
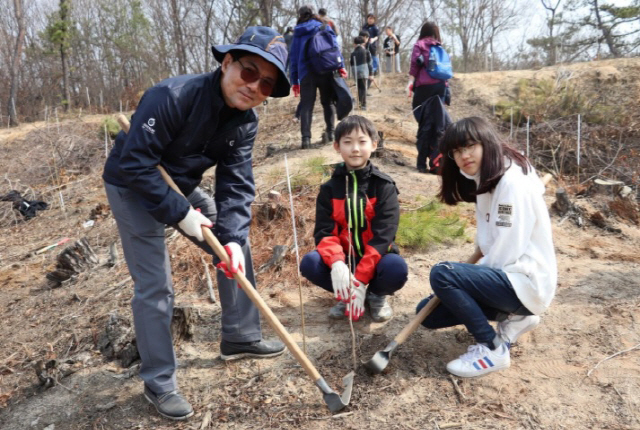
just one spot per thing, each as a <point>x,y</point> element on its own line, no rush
<point>379,306</point>
<point>337,312</point>
<point>258,349</point>
<point>170,404</point>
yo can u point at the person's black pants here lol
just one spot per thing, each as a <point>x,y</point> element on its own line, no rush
<point>308,86</point>
<point>427,145</point>
<point>362,91</point>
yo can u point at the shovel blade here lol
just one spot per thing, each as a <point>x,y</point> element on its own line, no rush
<point>334,401</point>
<point>380,359</point>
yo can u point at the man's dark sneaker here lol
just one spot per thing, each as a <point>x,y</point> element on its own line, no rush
<point>327,137</point>
<point>258,349</point>
<point>170,404</point>
<point>379,307</point>
<point>337,312</point>
<point>422,170</point>
<point>306,143</point>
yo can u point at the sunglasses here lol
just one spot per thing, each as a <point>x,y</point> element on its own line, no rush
<point>250,75</point>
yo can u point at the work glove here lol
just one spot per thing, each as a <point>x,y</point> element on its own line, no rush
<point>236,257</point>
<point>343,72</point>
<point>193,222</point>
<point>296,90</point>
<point>340,280</point>
<point>355,308</point>
<point>409,89</point>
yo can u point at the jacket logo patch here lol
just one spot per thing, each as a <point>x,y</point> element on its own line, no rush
<point>148,125</point>
<point>504,215</point>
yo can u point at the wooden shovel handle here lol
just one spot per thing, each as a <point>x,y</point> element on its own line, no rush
<point>257,300</point>
<point>415,322</point>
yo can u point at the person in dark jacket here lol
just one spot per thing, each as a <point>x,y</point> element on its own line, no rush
<point>423,87</point>
<point>288,39</point>
<point>357,215</point>
<point>306,81</point>
<point>362,69</point>
<point>188,124</point>
<point>374,33</point>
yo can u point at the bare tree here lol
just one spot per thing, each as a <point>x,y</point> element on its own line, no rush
<point>15,62</point>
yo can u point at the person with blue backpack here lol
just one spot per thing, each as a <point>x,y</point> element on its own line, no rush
<point>430,69</point>
<point>314,58</point>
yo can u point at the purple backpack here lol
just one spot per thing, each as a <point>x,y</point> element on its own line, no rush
<point>323,54</point>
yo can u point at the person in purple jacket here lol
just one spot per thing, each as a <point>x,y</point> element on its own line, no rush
<point>420,84</point>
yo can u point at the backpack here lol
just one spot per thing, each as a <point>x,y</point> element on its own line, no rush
<point>439,66</point>
<point>323,53</point>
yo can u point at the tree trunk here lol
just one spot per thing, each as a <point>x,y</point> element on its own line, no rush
<point>606,31</point>
<point>64,17</point>
<point>15,63</point>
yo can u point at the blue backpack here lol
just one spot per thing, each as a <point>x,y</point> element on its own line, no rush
<point>323,53</point>
<point>439,66</point>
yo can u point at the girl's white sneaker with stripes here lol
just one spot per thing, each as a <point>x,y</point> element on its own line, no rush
<point>480,360</point>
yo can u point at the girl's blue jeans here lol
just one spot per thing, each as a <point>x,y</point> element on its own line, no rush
<point>471,295</point>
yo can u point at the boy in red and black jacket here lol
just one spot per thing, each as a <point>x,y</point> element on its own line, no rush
<point>357,209</point>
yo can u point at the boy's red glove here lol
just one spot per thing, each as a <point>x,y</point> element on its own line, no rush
<point>343,72</point>
<point>296,90</point>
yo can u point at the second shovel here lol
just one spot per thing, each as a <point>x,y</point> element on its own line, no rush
<point>380,359</point>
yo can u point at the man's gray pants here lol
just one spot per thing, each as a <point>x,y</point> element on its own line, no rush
<point>146,254</point>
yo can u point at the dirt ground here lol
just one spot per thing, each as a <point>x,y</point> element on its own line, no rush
<point>557,379</point>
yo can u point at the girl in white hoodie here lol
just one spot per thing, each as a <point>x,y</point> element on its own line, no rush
<point>511,277</point>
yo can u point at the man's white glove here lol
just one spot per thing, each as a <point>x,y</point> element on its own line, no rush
<point>236,260</point>
<point>340,280</point>
<point>355,308</point>
<point>193,222</point>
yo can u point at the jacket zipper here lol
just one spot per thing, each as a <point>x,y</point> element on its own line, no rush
<point>356,234</point>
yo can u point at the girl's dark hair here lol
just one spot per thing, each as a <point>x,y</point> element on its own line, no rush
<point>353,122</point>
<point>306,13</point>
<point>430,29</point>
<point>456,187</point>
<point>371,16</point>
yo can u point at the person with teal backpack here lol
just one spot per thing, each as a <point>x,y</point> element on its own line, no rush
<point>428,74</point>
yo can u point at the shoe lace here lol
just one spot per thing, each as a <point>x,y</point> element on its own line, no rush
<point>473,353</point>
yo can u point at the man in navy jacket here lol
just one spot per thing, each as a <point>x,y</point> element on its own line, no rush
<point>188,124</point>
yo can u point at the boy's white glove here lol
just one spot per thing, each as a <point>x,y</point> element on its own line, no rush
<point>355,308</point>
<point>340,280</point>
<point>193,222</point>
<point>236,260</point>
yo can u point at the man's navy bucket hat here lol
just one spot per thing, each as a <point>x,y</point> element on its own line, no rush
<point>268,44</point>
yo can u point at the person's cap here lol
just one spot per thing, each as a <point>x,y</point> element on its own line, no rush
<point>268,44</point>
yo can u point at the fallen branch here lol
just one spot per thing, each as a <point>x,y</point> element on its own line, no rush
<point>459,392</point>
<point>610,357</point>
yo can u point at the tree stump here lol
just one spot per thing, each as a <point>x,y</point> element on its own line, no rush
<point>607,187</point>
<point>562,205</point>
<point>183,323</point>
<point>72,260</point>
<point>118,341</point>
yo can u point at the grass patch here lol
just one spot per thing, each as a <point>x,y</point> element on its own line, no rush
<point>430,224</point>
<point>312,171</point>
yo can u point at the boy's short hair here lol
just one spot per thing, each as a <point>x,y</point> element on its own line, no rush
<point>353,122</point>
<point>322,11</point>
<point>364,33</point>
<point>359,40</point>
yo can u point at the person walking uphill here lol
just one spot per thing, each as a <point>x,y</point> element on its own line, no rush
<point>428,110</point>
<point>307,79</point>
<point>514,280</point>
<point>187,124</point>
<point>359,225</point>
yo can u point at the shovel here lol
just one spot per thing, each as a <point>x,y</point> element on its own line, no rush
<point>334,401</point>
<point>380,359</point>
